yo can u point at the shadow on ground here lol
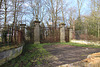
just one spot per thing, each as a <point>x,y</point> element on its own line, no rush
<point>66,54</point>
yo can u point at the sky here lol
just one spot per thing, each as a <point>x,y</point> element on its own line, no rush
<point>85,8</point>
<point>71,3</point>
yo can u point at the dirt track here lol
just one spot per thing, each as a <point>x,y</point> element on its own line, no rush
<point>65,54</point>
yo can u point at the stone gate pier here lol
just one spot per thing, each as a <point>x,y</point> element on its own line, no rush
<point>62,32</point>
<point>37,32</point>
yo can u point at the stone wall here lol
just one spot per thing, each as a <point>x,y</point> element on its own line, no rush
<point>10,54</point>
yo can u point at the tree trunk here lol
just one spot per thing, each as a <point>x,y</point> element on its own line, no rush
<point>0,3</point>
<point>5,13</point>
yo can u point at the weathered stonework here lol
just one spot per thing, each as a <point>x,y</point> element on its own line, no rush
<point>62,32</point>
<point>70,34</point>
<point>37,32</point>
<point>10,54</point>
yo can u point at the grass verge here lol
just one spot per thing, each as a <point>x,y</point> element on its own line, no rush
<point>80,45</point>
<point>35,54</point>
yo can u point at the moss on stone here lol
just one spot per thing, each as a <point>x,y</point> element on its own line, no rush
<point>10,54</point>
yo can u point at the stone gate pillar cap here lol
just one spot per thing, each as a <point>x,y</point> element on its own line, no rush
<point>36,21</point>
<point>62,24</point>
<point>69,28</point>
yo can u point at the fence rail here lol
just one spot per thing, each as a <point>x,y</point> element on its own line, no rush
<point>10,35</point>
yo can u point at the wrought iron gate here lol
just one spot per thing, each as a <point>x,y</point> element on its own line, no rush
<point>49,35</point>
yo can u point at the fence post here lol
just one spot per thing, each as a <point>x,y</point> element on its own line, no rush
<point>23,31</point>
<point>19,37</point>
<point>62,32</point>
<point>37,32</point>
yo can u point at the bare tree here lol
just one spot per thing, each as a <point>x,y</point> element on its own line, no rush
<point>5,13</point>
<point>62,11</point>
<point>95,9</point>
<point>72,15</point>
<point>79,3</point>
<point>0,3</point>
<point>53,8</point>
<point>37,9</point>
